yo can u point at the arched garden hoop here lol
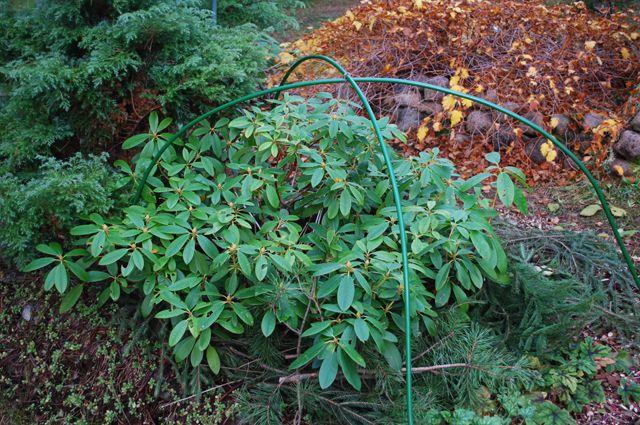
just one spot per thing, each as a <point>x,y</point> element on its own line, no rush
<point>353,82</point>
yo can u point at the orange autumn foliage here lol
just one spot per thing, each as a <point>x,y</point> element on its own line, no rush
<point>560,59</point>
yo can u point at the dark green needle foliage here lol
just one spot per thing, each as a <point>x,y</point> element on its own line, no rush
<point>561,282</point>
<point>77,75</point>
<point>42,208</point>
<point>82,75</point>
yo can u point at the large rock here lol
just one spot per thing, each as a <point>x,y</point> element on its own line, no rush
<point>461,138</point>
<point>504,118</point>
<point>408,118</point>
<point>536,118</point>
<point>562,125</point>
<point>432,95</point>
<point>619,168</point>
<point>532,149</point>
<point>430,108</point>
<point>491,96</point>
<point>502,138</point>
<point>592,120</point>
<point>478,122</point>
<point>635,123</point>
<point>410,96</point>
<point>628,145</point>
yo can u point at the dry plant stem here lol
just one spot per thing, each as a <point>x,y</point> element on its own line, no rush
<point>298,377</point>
<point>198,394</point>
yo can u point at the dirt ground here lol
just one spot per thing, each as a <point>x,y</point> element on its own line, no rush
<point>315,13</point>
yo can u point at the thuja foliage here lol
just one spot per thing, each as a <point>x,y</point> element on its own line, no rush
<point>284,219</point>
<point>77,75</point>
<point>38,209</point>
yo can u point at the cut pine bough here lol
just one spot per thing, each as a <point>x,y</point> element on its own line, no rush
<point>353,82</point>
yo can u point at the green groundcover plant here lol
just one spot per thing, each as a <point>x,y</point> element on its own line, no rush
<point>284,219</point>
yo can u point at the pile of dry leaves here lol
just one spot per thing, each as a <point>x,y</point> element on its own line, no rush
<point>562,66</point>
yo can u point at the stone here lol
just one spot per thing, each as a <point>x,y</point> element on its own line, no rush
<point>592,120</point>
<point>532,149</point>
<point>478,122</point>
<point>408,118</point>
<point>491,96</point>
<point>26,312</point>
<point>583,143</point>
<point>635,123</point>
<point>535,117</point>
<point>430,108</point>
<point>502,138</point>
<point>432,95</point>
<point>408,97</point>
<point>618,165</point>
<point>562,127</point>
<point>504,118</point>
<point>628,145</point>
<point>461,138</point>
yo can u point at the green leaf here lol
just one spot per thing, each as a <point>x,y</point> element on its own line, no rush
<point>97,244</point>
<point>345,202</point>
<point>175,246</point>
<point>242,312</point>
<point>361,328</point>
<point>178,332</point>
<point>480,243</point>
<point>316,177</point>
<point>187,282</point>
<point>520,201</point>
<point>268,323</point>
<point>346,292</point>
<point>316,328</point>
<point>443,295</point>
<point>196,357</point>
<point>261,267</point>
<point>245,265</point>
<point>326,268</point>
<point>183,349</point>
<point>38,264</point>
<point>189,250</point>
<point>272,196</point>
<point>70,299</point>
<point>349,370</point>
<point>328,370</point>
<point>138,259</point>
<point>213,360</point>
<point>443,276</point>
<point>493,157</point>
<point>51,249</point>
<point>353,354</point>
<point>134,141</point>
<point>308,355</point>
<point>207,246</point>
<point>168,314</point>
<point>113,256</point>
<point>392,355</point>
<point>204,339</point>
<point>505,188</point>
<point>61,278</point>
<point>78,270</point>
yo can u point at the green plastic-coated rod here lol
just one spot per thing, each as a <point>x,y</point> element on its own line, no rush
<point>183,130</point>
<point>398,204</point>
